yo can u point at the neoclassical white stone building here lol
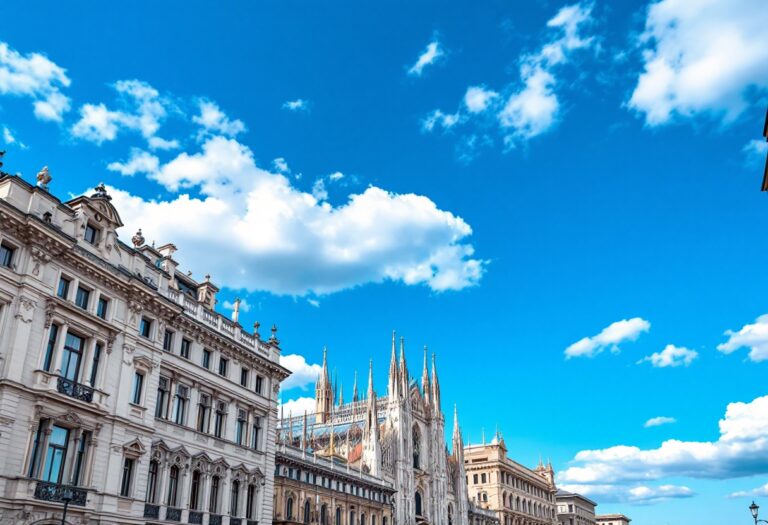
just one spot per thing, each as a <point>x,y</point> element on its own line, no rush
<point>399,438</point>
<point>121,387</point>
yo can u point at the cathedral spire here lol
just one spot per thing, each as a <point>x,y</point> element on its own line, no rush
<point>392,384</point>
<point>435,388</point>
<point>370,393</point>
<point>404,376</point>
<point>341,393</point>
<point>323,393</point>
<point>304,436</point>
<point>355,397</point>
<point>425,379</point>
<point>458,445</point>
<point>371,453</point>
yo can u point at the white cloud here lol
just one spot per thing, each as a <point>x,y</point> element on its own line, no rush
<point>431,54</point>
<point>636,494</point>
<point>255,231</point>
<point>143,111</point>
<point>610,337</point>
<point>757,492</point>
<point>281,165</point>
<point>671,356</point>
<point>37,77</point>
<point>8,136</point>
<point>740,450</point>
<point>245,306</point>
<point>296,105</point>
<point>336,176</point>
<point>314,302</point>
<point>755,151</point>
<point>297,407</point>
<point>302,375</point>
<point>753,336</point>
<point>478,98</point>
<point>438,118</point>
<point>658,421</point>
<point>701,57</point>
<point>139,162</point>
<point>213,120</point>
<point>318,190</point>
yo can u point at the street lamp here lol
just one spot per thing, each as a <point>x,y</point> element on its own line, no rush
<point>753,509</point>
<point>66,497</point>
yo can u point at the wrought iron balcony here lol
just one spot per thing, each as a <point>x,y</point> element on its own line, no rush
<point>73,389</point>
<point>235,521</point>
<point>172,514</point>
<point>214,519</point>
<point>195,516</point>
<point>251,522</point>
<point>151,511</point>
<point>47,491</point>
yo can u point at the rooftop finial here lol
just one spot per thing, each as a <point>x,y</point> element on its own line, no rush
<point>43,178</point>
<point>256,326</point>
<point>138,239</point>
<point>101,190</point>
<point>236,310</point>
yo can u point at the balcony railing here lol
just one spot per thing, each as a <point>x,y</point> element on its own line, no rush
<point>47,491</point>
<point>172,514</point>
<point>195,516</point>
<point>214,519</point>
<point>151,511</point>
<point>235,521</point>
<point>251,522</point>
<point>72,389</point>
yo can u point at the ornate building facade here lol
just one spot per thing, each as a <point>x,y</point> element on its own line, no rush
<point>575,509</point>
<point>519,495</point>
<point>122,391</point>
<point>398,438</point>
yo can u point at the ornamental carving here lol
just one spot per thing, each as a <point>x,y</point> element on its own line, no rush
<point>39,257</point>
<point>25,310</point>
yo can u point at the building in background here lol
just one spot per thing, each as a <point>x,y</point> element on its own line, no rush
<point>122,390</point>
<point>519,495</point>
<point>575,509</point>
<point>612,519</point>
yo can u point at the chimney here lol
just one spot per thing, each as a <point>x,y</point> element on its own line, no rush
<point>206,293</point>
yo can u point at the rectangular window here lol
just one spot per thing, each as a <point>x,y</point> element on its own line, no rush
<point>63,290</point>
<point>50,347</point>
<point>203,413</point>
<point>91,234</point>
<point>220,419</point>
<point>163,396</point>
<point>244,376</point>
<point>77,474</point>
<point>256,433</point>
<point>6,255</point>
<point>207,359</point>
<point>34,458</point>
<point>180,404</point>
<point>103,307</point>
<point>73,353</point>
<point>223,364</point>
<point>482,477</point>
<point>95,365</point>
<point>138,385</point>
<point>186,344</point>
<point>56,454</point>
<point>125,484</point>
<point>145,327</point>
<point>474,479</point>
<point>168,341</point>
<point>82,297</point>
<point>259,382</point>
<point>154,467</point>
<point>242,424</point>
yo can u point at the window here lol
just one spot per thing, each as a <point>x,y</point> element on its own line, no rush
<point>206,359</point>
<point>73,353</point>
<point>173,486</point>
<point>125,484</point>
<point>417,500</point>
<point>259,382</point>
<point>95,363</point>
<point>50,347</point>
<point>154,468</point>
<point>306,511</point>
<point>180,404</point>
<point>203,412</point>
<point>244,376</point>
<point>220,419</point>
<point>324,515</point>
<point>223,363</point>
<point>56,454</point>
<point>242,422</point>
<point>168,341</point>
<point>256,433</point>
<point>63,290</point>
<point>234,498</point>
<point>91,234</point>
<point>77,473</point>
<point>194,493</point>
<point>416,447</point>
<point>102,307</point>
<point>163,395</point>
<point>474,479</point>
<point>185,346</point>
<point>6,255</point>
<point>289,508</point>
<point>362,519</point>
<point>250,502</point>
<point>82,297</point>
<point>138,385</point>
<point>34,458</point>
<point>338,516</point>
<point>145,327</point>
<point>482,477</point>
<point>213,505</point>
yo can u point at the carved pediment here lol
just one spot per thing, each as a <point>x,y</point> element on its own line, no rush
<point>134,448</point>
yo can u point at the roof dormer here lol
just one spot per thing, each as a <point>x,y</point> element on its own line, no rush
<point>97,219</point>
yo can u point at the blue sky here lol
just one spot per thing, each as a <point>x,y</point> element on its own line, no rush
<point>560,200</point>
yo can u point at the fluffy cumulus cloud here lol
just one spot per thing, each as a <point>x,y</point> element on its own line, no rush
<point>141,109</point>
<point>298,104</point>
<point>213,120</point>
<point>35,76</point>
<point>740,450</point>
<point>529,106</point>
<point>701,57</point>
<point>753,336</point>
<point>296,407</point>
<point>671,356</point>
<point>659,420</point>
<point>635,494</point>
<point>140,161</point>
<point>302,375</point>
<point>431,54</point>
<point>609,338</point>
<point>253,230</point>
<point>757,492</point>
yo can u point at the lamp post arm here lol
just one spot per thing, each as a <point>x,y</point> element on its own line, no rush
<point>760,521</point>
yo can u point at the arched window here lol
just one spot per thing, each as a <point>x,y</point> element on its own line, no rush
<point>324,514</point>
<point>289,508</point>
<point>173,486</point>
<point>213,505</point>
<point>194,491</point>
<point>362,518</point>
<point>351,518</point>
<point>416,447</point>
<point>154,468</point>
<point>338,516</point>
<point>417,500</point>
<point>450,514</point>
<point>250,502</point>
<point>234,498</point>
<point>306,511</point>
